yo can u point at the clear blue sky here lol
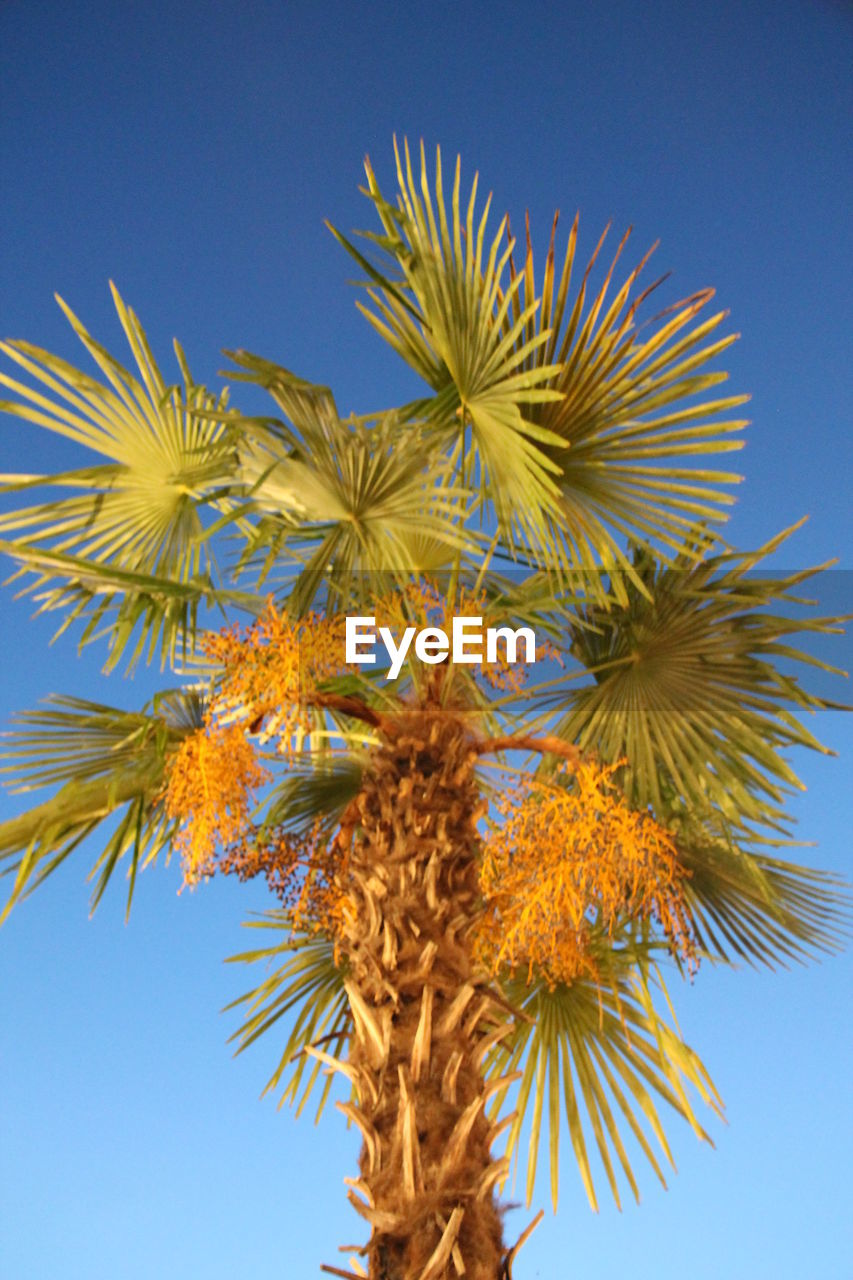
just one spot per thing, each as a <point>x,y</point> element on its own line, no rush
<point>191,152</point>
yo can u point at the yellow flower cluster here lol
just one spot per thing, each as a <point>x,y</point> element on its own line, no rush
<point>567,858</point>
<point>271,667</point>
<point>268,671</point>
<point>209,790</point>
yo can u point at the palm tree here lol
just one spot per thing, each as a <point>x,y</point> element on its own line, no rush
<point>481,867</point>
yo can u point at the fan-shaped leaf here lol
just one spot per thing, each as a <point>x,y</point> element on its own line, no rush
<point>140,512</point>
<point>600,1043</point>
<point>687,687</point>
<point>445,311</point>
<point>107,760</point>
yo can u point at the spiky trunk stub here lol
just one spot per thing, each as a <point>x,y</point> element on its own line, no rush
<point>423,1016</point>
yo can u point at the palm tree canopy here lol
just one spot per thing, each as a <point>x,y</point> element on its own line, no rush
<point>553,474</point>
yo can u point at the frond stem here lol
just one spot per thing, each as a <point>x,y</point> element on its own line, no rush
<point>523,742</point>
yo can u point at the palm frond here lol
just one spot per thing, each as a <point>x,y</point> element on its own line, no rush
<point>320,788</point>
<point>636,402</point>
<point>688,689</point>
<point>343,498</point>
<point>139,512</point>
<point>581,420</point>
<point>747,905</point>
<point>605,1048</point>
<point>149,616</point>
<point>106,760</point>
<point>439,297</point>
<point>307,980</point>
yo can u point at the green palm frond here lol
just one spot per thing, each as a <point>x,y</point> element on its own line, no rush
<point>749,906</point>
<point>605,1048</point>
<point>305,980</point>
<point>151,616</point>
<point>318,789</point>
<point>106,760</point>
<point>343,498</point>
<point>569,401</point>
<point>445,308</point>
<point>687,686</point>
<point>636,401</point>
<point>168,457</point>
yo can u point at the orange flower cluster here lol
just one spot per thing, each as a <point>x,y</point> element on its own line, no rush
<point>271,667</point>
<point>209,789</point>
<point>566,858</point>
<point>269,670</point>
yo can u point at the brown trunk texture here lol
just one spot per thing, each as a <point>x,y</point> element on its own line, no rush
<point>423,1014</point>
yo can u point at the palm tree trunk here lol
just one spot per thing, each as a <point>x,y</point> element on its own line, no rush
<point>423,1014</point>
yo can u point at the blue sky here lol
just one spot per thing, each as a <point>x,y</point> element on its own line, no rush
<point>191,153</point>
